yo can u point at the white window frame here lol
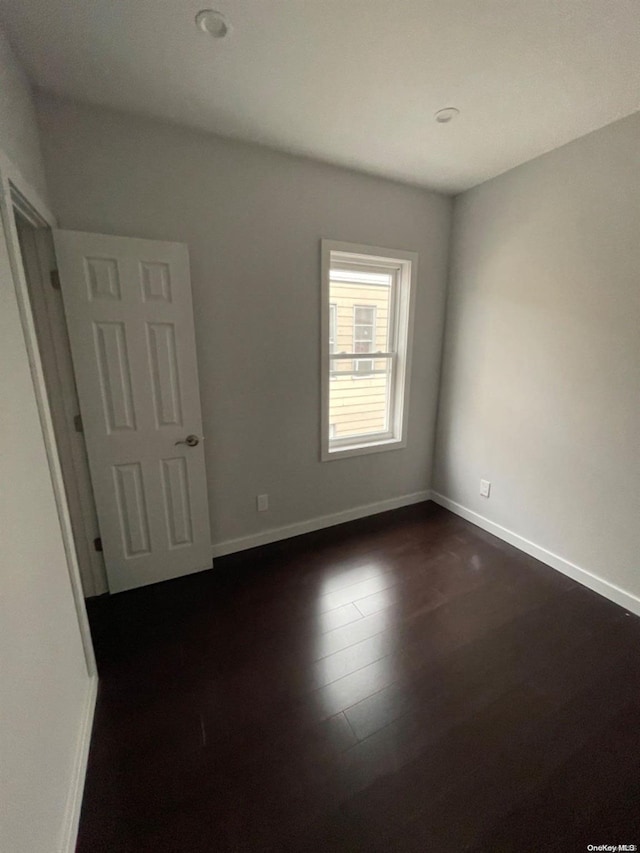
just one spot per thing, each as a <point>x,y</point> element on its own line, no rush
<point>404,267</point>
<point>333,321</point>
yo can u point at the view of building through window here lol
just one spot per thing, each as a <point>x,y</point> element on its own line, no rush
<point>360,316</point>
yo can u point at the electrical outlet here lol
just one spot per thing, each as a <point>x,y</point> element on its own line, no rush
<point>485,488</point>
<point>262,502</point>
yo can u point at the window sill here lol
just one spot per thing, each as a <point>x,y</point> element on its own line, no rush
<point>361,449</point>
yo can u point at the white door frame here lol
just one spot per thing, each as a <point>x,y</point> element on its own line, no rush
<point>15,191</point>
<point>55,353</point>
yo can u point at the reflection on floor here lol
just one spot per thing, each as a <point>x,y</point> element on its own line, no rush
<point>405,682</point>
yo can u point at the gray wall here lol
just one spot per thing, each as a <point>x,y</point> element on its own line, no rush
<point>541,375</point>
<point>43,676</point>
<point>18,128</point>
<point>253,220</point>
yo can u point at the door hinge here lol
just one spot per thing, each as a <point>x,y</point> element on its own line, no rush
<point>77,423</point>
<point>97,543</point>
<point>54,276</point>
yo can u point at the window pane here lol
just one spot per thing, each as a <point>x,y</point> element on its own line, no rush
<point>363,333</point>
<point>362,314</point>
<point>359,405</point>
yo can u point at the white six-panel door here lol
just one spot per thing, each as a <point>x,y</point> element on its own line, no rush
<point>130,319</point>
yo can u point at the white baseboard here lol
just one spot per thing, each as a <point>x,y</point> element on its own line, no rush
<point>318,523</point>
<point>74,801</point>
<point>609,590</point>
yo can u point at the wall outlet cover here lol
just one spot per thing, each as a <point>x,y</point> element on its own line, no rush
<point>485,488</point>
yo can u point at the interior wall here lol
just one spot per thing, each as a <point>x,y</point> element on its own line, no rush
<point>45,686</point>
<point>253,220</point>
<point>19,139</point>
<point>541,370</point>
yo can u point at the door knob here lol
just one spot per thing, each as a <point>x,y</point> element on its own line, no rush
<point>190,441</point>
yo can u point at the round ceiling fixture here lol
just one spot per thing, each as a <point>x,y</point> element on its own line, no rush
<point>446,115</point>
<point>213,23</point>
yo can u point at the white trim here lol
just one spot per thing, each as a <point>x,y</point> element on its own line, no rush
<point>10,172</point>
<point>76,790</point>
<point>11,179</point>
<point>254,540</point>
<point>609,590</point>
<point>365,444</point>
<point>47,310</point>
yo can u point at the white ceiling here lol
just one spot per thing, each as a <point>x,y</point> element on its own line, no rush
<point>353,82</point>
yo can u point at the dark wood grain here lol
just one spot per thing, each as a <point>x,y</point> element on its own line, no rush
<point>404,682</point>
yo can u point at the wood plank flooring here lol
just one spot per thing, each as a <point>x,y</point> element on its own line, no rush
<point>405,682</point>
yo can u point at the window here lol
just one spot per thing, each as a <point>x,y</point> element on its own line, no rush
<point>367,297</point>
<point>364,334</point>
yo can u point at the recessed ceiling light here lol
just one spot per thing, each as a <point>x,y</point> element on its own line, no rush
<point>446,115</point>
<point>213,23</point>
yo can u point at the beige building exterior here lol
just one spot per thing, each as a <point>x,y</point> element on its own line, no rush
<point>358,394</point>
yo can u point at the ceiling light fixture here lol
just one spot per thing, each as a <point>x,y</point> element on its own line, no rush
<point>446,115</point>
<point>213,23</point>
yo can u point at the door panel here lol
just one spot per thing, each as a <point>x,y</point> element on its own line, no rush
<point>164,374</point>
<point>175,482</point>
<point>130,320</point>
<point>114,371</point>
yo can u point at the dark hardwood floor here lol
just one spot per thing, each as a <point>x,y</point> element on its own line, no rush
<point>405,682</point>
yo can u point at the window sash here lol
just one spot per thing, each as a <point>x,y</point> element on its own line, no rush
<point>333,326</point>
<point>364,362</point>
<point>360,357</point>
<point>393,272</point>
<point>368,356</point>
<point>350,272</point>
<point>354,356</point>
<point>390,371</point>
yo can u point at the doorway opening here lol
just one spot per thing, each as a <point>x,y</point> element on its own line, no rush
<point>111,338</point>
<point>39,263</point>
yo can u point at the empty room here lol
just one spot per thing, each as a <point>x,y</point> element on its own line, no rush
<point>320,426</point>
